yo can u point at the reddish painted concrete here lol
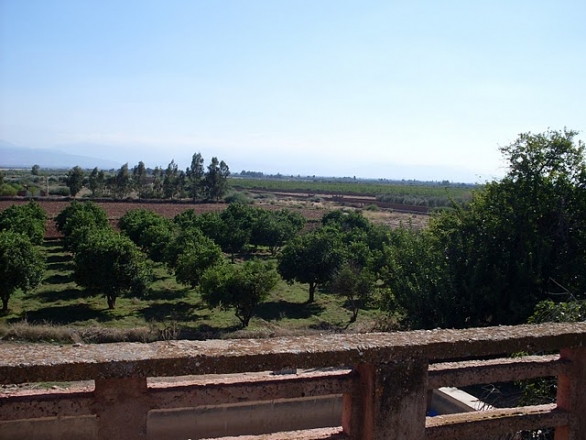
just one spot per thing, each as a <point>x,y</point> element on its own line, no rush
<point>385,395</point>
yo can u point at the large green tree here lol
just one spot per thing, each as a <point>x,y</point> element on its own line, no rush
<point>109,263</point>
<point>77,219</point>
<point>148,230</point>
<point>312,258</point>
<point>195,258</point>
<point>29,219</point>
<point>241,287</point>
<point>275,228</point>
<point>496,258</point>
<point>22,265</point>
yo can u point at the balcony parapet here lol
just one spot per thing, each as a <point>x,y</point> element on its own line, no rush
<point>385,393</point>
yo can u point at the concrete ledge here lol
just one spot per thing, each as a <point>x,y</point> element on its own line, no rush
<point>21,363</point>
<point>310,434</point>
<point>496,422</point>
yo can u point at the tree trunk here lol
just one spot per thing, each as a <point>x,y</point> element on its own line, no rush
<point>5,304</point>
<point>111,302</point>
<point>312,287</point>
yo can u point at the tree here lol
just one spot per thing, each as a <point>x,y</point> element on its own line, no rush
<point>74,180</point>
<point>158,177</point>
<point>77,219</point>
<point>417,283</point>
<point>356,284</point>
<point>240,287</point>
<point>170,180</point>
<point>35,170</point>
<point>22,265</point>
<point>122,183</point>
<point>493,260</point>
<point>312,258</point>
<point>195,176</point>
<point>148,230</point>
<point>97,181</point>
<point>196,257</point>
<point>216,179</point>
<point>275,228</point>
<point>139,179</point>
<point>109,263</point>
<point>237,222</point>
<point>29,220</point>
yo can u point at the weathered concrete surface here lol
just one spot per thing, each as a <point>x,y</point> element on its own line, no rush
<point>40,362</point>
<point>314,434</point>
<point>253,418</point>
<point>62,428</point>
<point>572,395</point>
<point>486,425</point>
<point>385,394</point>
<point>459,374</point>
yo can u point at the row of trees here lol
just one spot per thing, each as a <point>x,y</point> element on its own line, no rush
<point>196,182</point>
<point>191,246</point>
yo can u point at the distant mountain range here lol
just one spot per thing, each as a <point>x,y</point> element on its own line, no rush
<point>13,156</point>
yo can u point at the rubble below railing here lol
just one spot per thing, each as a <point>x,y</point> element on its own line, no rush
<point>385,392</point>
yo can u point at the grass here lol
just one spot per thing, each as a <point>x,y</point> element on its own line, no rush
<point>61,311</point>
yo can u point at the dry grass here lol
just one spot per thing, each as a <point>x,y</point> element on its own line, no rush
<point>24,331</point>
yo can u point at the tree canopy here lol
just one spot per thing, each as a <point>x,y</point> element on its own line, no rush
<point>109,263</point>
<point>496,258</point>
<point>29,219</point>
<point>22,265</point>
<point>312,258</point>
<point>241,287</point>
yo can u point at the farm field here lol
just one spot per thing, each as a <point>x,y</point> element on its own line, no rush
<point>311,210</point>
<point>61,310</point>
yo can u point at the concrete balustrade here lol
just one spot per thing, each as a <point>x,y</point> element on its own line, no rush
<point>385,387</point>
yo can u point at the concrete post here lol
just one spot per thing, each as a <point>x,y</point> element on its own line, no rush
<point>571,395</point>
<point>122,408</point>
<point>358,407</point>
<point>389,402</point>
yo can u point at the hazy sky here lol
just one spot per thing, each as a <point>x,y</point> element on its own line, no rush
<point>326,87</point>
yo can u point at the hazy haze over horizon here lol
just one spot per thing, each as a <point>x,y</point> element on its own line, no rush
<point>424,90</point>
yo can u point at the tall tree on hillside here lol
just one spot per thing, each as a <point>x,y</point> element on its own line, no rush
<point>195,175</point>
<point>74,180</point>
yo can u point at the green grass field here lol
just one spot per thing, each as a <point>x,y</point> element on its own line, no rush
<point>59,310</point>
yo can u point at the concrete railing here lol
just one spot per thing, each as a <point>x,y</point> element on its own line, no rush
<point>385,392</point>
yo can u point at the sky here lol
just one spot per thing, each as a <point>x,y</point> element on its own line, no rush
<point>382,89</point>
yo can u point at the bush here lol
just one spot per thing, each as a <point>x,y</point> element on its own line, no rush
<point>59,191</point>
<point>238,197</point>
